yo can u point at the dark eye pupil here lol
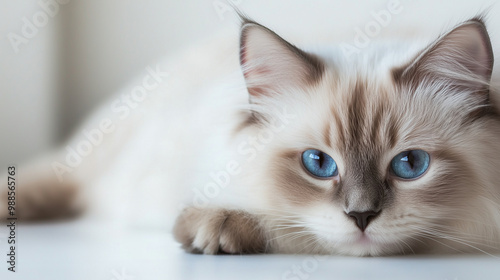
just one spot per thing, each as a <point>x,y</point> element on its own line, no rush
<point>321,161</point>
<point>409,159</point>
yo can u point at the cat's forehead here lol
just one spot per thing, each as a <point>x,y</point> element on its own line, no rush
<point>361,113</point>
<point>368,115</point>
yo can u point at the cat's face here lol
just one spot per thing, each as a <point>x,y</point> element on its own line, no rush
<point>377,158</point>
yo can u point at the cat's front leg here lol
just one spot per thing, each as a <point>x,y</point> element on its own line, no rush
<point>219,231</point>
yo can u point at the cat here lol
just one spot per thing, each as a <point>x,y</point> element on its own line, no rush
<point>391,151</point>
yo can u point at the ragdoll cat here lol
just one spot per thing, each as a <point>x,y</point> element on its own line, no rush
<point>393,150</point>
<point>390,152</point>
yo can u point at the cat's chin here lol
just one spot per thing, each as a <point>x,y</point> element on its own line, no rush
<point>365,245</point>
<point>369,249</point>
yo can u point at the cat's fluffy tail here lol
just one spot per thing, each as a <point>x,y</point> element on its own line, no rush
<point>34,192</point>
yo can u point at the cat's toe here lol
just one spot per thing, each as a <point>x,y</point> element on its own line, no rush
<point>196,230</point>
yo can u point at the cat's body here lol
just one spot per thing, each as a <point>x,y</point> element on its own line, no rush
<point>239,162</point>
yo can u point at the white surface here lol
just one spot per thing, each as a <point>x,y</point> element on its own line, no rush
<point>84,249</point>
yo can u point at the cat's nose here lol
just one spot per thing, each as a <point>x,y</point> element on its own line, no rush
<point>363,218</point>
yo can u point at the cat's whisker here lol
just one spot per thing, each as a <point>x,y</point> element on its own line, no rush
<point>411,237</point>
<point>281,227</point>
<point>448,230</point>
<point>428,234</point>
<point>450,236</point>
<point>405,243</point>
<point>299,233</point>
<point>401,248</point>
<point>311,240</point>
<point>452,218</point>
<point>430,237</point>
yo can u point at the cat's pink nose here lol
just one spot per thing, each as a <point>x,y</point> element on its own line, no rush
<point>363,218</point>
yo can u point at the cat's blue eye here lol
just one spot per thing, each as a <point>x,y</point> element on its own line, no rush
<point>410,164</point>
<point>319,164</point>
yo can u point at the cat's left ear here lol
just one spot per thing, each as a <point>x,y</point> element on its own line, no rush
<point>463,58</point>
<point>271,65</point>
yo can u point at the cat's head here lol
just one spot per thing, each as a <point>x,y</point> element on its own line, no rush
<point>382,151</point>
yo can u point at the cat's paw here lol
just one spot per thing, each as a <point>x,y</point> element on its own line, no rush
<point>219,231</point>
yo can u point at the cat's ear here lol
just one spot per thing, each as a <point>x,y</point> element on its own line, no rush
<point>463,57</point>
<point>271,65</point>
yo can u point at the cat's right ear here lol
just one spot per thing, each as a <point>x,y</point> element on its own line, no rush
<point>271,65</point>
